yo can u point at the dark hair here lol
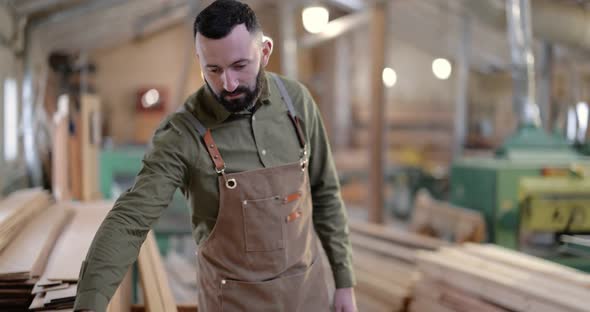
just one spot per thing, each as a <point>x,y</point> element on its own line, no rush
<point>218,19</point>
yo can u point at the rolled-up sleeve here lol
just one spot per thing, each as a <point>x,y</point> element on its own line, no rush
<point>117,243</point>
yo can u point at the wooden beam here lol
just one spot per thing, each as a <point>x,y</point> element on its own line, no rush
<point>395,236</point>
<point>377,27</point>
<point>154,282</point>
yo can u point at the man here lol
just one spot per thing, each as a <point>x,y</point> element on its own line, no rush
<point>250,153</point>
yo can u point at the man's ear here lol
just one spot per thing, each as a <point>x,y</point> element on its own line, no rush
<point>267,45</point>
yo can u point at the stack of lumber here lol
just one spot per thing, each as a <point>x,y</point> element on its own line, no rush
<point>17,209</point>
<point>443,220</point>
<point>384,263</point>
<point>28,228</point>
<point>475,277</point>
<point>56,289</point>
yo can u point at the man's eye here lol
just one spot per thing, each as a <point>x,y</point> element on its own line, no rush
<point>240,66</point>
<point>214,70</point>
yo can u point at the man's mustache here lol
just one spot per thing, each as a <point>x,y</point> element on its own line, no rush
<point>239,90</point>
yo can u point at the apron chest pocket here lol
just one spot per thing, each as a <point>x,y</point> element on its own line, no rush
<point>263,224</point>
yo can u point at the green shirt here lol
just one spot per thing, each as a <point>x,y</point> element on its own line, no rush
<point>178,159</point>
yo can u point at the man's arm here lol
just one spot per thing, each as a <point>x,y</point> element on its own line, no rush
<point>329,213</point>
<point>117,242</point>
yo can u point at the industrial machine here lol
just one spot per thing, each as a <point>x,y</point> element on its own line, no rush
<point>535,190</point>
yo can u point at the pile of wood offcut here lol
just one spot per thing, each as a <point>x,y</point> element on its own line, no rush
<point>384,263</point>
<point>474,277</point>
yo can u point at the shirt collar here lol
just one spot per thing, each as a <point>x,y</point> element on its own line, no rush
<point>210,112</point>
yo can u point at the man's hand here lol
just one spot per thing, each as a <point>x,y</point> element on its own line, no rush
<point>344,300</point>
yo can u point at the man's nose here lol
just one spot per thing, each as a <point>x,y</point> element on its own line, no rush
<point>230,83</point>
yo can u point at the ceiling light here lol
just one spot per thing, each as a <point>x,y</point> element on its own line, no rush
<point>315,19</point>
<point>441,68</point>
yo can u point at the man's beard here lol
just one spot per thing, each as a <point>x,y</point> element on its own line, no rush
<point>243,103</point>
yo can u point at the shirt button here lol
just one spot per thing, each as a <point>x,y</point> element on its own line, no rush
<point>253,118</point>
<point>263,152</point>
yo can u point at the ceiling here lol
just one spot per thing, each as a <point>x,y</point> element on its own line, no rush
<point>435,26</point>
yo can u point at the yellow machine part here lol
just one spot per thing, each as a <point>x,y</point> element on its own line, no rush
<point>555,203</point>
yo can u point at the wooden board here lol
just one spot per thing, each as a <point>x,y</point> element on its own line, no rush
<point>121,300</point>
<point>498,288</point>
<point>60,176</point>
<point>71,247</point>
<point>75,158</point>
<point>425,305</point>
<point>566,291</point>
<point>90,143</point>
<point>26,256</point>
<point>383,248</point>
<point>398,272</point>
<point>65,294</point>
<point>451,297</point>
<point>445,221</point>
<point>381,290</point>
<point>40,289</point>
<point>395,236</point>
<point>528,262</point>
<point>367,303</point>
<point>17,209</point>
<point>154,282</point>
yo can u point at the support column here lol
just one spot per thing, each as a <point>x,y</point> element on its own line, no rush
<point>462,84</point>
<point>377,27</point>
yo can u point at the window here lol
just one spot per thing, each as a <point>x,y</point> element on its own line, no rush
<point>10,119</point>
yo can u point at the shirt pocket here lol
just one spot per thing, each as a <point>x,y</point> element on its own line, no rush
<point>264,224</point>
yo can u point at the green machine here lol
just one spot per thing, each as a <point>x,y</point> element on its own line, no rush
<point>530,194</point>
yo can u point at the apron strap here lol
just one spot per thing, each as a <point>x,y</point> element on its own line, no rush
<point>208,140</point>
<point>292,113</point>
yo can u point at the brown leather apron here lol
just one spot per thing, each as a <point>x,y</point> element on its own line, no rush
<point>263,253</point>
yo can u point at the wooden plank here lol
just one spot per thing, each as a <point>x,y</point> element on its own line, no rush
<point>497,288</point>
<point>367,303</point>
<point>381,291</point>
<point>565,290</point>
<point>40,289</point>
<point>17,209</point>
<point>90,122</point>
<point>528,262</point>
<point>445,221</point>
<point>398,272</point>
<point>75,158</point>
<point>424,305</point>
<point>180,307</point>
<point>449,296</point>
<point>60,295</point>
<point>154,281</point>
<point>121,300</point>
<point>395,236</point>
<point>28,253</point>
<point>384,248</point>
<point>71,248</point>
<point>60,176</point>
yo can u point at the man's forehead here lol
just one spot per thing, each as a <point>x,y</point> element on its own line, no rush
<point>239,40</point>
